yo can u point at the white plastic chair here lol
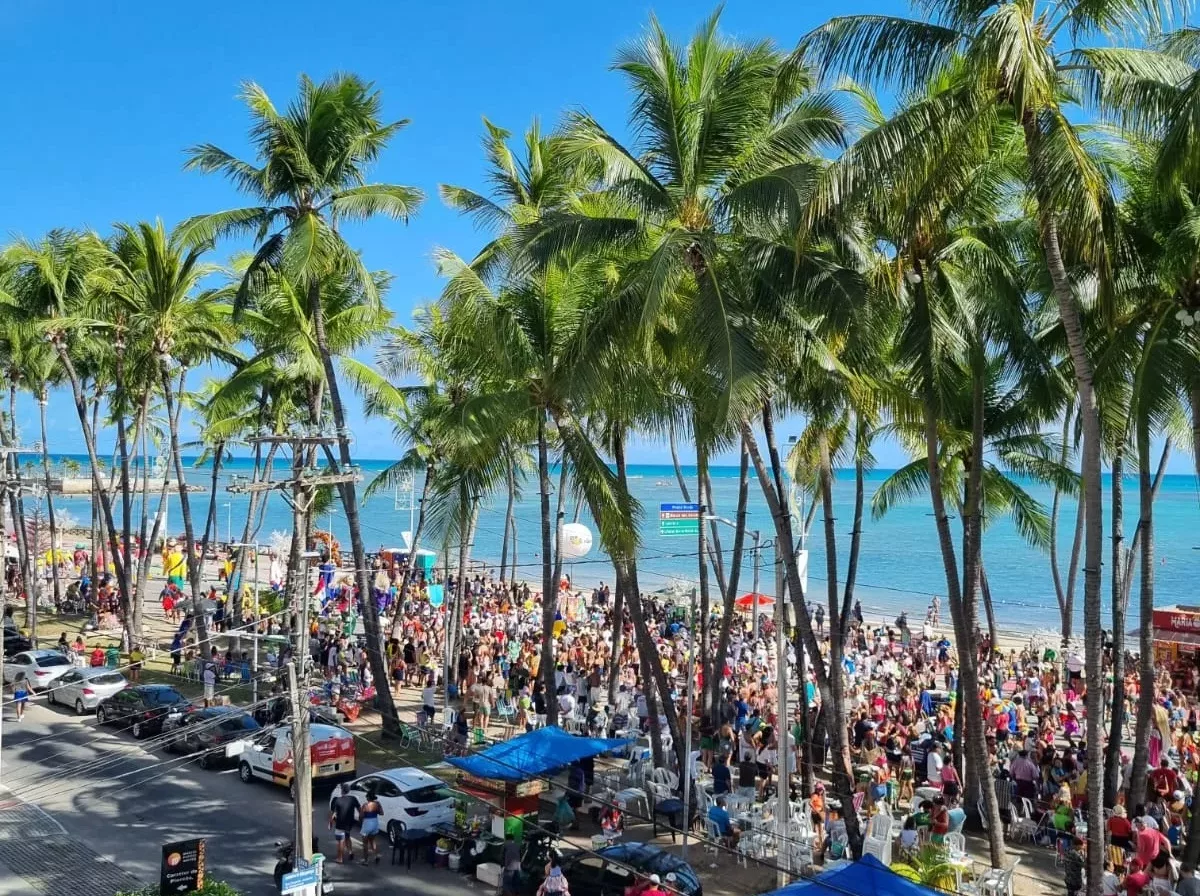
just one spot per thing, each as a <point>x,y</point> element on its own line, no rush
<point>956,846</point>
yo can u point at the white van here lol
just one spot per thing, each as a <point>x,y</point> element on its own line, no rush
<point>270,759</point>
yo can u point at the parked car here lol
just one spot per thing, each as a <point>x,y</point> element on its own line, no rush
<point>142,709</point>
<point>406,795</point>
<point>14,641</point>
<point>85,688</point>
<point>608,871</point>
<point>209,731</point>
<point>270,757</point>
<point>36,667</point>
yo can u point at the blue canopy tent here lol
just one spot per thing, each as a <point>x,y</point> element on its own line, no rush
<point>534,754</point>
<point>866,877</point>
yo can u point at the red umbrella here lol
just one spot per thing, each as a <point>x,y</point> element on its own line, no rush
<point>747,601</point>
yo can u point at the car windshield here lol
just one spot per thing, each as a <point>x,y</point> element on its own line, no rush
<point>107,678</point>
<point>56,660</point>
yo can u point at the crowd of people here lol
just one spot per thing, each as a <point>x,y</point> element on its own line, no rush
<point>901,681</point>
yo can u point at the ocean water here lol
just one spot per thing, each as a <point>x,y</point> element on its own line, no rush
<point>900,565</point>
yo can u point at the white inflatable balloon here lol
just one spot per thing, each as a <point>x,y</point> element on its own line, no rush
<point>576,540</point>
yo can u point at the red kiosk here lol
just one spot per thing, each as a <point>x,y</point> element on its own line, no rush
<point>1176,632</point>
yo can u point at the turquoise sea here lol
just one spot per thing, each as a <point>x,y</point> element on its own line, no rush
<point>900,566</point>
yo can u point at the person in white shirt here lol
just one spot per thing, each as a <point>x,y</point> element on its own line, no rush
<point>566,703</point>
<point>933,765</point>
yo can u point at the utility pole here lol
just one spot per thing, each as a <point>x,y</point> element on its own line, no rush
<point>302,769</point>
<point>299,492</point>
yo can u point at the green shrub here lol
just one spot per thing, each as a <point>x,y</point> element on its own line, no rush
<point>210,888</point>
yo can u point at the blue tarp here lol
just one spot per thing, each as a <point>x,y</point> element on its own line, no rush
<point>866,877</point>
<point>534,754</point>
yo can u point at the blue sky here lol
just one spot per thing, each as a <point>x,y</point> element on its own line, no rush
<point>104,97</point>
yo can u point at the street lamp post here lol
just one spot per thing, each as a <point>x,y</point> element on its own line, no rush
<point>228,522</point>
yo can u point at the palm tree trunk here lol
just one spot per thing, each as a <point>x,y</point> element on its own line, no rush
<point>124,559</point>
<point>413,547</point>
<point>262,472</point>
<point>98,490</point>
<point>511,486</point>
<point>549,586</point>
<point>656,686</point>
<point>967,655</point>
<point>618,633</point>
<point>211,523</point>
<point>210,515</point>
<point>700,634</point>
<point>829,679</point>
<point>1064,595</point>
<point>16,499</point>
<point>976,752</point>
<point>842,622</point>
<point>1112,759</point>
<point>1145,708</point>
<point>349,494</point>
<point>985,591</point>
<point>49,501</point>
<point>675,465</point>
<point>729,610</point>
<point>1093,498</point>
<point>194,567</point>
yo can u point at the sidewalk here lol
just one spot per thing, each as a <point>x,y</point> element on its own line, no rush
<point>37,856</point>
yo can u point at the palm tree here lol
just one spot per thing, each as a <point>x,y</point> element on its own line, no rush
<point>723,132</point>
<point>51,282</point>
<point>310,177</point>
<point>1025,57</point>
<point>171,327</point>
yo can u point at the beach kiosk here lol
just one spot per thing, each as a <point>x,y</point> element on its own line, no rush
<point>510,776</point>
<point>1177,640</point>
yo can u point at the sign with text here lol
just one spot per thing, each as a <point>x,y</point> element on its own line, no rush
<point>678,520</point>
<point>298,880</point>
<point>182,867</point>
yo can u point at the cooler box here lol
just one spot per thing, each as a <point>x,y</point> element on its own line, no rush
<point>489,873</point>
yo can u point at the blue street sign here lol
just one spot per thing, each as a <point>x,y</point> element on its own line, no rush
<point>298,880</point>
<point>679,508</point>
<point>437,595</point>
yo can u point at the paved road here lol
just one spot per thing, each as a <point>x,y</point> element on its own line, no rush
<point>118,802</point>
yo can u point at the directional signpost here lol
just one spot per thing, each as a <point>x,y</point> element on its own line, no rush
<point>302,878</point>
<point>676,520</point>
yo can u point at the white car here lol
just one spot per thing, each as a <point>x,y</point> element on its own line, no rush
<point>408,796</point>
<point>37,667</point>
<point>85,688</point>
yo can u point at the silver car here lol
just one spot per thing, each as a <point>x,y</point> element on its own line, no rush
<point>37,668</point>
<point>85,688</point>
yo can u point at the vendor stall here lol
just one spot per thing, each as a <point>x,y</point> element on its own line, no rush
<point>1176,632</point>
<point>512,775</point>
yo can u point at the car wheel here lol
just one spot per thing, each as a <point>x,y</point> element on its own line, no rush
<point>79,707</point>
<point>137,730</point>
<point>245,772</point>
<point>292,790</point>
<point>393,832</point>
<point>50,696</point>
<point>203,761</point>
<point>101,715</point>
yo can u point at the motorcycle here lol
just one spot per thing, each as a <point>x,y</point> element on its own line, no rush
<point>285,863</point>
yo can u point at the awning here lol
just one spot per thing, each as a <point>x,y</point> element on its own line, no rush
<point>1187,639</point>
<point>866,877</point>
<point>536,753</point>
